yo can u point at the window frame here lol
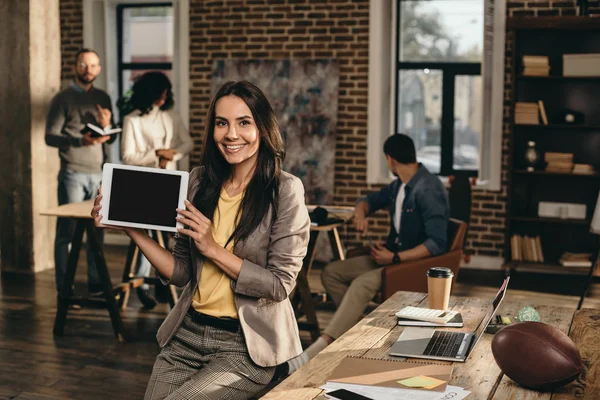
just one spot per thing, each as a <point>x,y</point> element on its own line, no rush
<point>136,66</point>
<point>449,72</point>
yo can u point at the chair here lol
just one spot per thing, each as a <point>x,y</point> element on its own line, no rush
<point>411,275</point>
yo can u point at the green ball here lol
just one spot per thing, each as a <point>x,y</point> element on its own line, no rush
<point>528,314</point>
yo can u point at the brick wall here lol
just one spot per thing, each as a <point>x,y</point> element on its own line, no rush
<point>71,34</point>
<point>277,29</point>
<point>253,29</point>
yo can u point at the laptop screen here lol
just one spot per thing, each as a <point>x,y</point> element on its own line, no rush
<point>484,323</point>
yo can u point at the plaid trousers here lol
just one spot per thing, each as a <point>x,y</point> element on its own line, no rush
<point>203,362</point>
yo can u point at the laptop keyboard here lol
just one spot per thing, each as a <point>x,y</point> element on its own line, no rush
<point>444,344</point>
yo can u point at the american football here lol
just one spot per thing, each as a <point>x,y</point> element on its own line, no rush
<point>536,355</point>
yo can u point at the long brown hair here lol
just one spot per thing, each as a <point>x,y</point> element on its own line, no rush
<point>263,189</point>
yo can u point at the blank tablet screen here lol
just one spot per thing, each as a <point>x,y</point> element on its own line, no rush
<point>144,197</point>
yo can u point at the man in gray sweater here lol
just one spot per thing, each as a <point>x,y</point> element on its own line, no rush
<point>81,154</point>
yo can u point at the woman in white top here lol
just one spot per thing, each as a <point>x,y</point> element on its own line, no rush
<point>153,136</point>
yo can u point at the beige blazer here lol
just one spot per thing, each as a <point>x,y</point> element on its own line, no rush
<point>138,143</point>
<point>272,260</point>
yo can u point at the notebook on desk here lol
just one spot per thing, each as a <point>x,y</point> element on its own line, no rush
<point>391,373</point>
<point>435,344</point>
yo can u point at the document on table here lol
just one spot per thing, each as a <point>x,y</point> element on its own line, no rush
<point>386,393</point>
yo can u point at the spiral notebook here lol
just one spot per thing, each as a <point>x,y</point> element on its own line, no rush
<point>392,373</point>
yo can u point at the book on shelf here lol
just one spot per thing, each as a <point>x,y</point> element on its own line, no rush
<point>526,248</point>
<point>576,259</point>
<point>536,66</point>
<point>558,162</point>
<point>536,71</point>
<point>584,169</point>
<point>543,112</point>
<point>527,113</point>
<point>538,247</point>
<point>535,60</point>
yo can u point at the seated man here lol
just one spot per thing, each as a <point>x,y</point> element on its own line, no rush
<point>419,212</point>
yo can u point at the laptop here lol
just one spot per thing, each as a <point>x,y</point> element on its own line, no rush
<point>443,345</point>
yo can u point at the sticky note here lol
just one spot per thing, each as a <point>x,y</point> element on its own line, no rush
<point>506,320</point>
<point>421,381</point>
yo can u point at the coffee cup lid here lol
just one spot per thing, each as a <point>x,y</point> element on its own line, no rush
<point>440,272</point>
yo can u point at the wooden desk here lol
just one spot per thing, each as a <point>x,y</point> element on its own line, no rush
<point>303,298</point>
<point>375,334</point>
<point>84,222</point>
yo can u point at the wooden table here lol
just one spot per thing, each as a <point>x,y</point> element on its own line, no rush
<point>84,222</point>
<point>375,334</point>
<point>303,298</point>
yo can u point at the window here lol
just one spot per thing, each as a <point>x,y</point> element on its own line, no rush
<point>144,41</point>
<point>439,90</point>
<point>105,29</point>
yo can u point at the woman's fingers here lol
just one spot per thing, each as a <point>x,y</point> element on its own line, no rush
<point>195,216</point>
<point>96,208</point>
<point>188,232</point>
<point>189,222</point>
<point>195,211</point>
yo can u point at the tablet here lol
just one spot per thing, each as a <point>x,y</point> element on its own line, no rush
<point>142,197</point>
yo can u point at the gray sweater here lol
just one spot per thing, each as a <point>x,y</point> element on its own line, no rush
<point>70,111</point>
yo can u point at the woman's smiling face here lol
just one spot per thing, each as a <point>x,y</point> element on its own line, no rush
<point>235,132</point>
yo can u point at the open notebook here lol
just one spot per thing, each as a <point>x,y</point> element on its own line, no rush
<point>391,373</point>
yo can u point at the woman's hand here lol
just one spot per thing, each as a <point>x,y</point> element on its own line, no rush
<point>169,154</point>
<point>199,228</point>
<point>98,217</point>
<point>162,163</point>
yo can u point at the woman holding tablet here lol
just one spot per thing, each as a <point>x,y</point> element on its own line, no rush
<point>153,136</point>
<point>238,256</point>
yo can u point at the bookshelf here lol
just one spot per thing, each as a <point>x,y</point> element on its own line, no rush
<point>547,39</point>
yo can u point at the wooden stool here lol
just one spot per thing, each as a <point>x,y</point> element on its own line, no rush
<point>80,212</point>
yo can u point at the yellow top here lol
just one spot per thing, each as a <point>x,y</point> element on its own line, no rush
<point>214,295</point>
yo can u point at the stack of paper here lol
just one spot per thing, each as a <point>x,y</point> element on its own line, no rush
<point>385,393</point>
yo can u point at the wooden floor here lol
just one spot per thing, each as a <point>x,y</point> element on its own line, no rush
<point>88,363</point>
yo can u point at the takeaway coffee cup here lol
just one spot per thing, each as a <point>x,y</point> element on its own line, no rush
<point>439,283</point>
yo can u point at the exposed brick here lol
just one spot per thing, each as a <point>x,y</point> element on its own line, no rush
<point>522,13</point>
<point>277,29</point>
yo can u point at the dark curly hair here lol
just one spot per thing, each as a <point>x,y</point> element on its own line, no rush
<point>148,88</point>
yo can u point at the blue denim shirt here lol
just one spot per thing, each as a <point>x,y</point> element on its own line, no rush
<point>425,213</point>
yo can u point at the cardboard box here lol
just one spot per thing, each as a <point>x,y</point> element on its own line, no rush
<point>581,64</point>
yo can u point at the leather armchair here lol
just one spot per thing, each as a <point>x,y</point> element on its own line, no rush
<point>411,275</point>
